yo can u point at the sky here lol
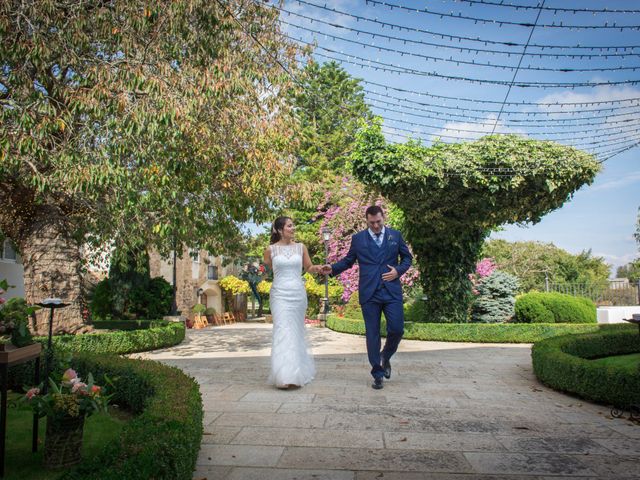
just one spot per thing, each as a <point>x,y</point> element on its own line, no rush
<point>459,69</point>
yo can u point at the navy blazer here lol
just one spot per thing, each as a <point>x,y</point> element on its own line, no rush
<point>373,261</point>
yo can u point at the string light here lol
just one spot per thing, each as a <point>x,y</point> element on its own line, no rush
<point>457,61</point>
<point>494,21</point>
<point>462,49</point>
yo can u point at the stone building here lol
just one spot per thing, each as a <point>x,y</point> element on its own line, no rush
<point>197,275</point>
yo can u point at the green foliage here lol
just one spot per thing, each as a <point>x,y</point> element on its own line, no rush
<point>118,343</point>
<point>129,324</point>
<point>451,199</point>
<point>474,332</point>
<point>538,307</point>
<point>531,261</point>
<point>210,311</point>
<point>129,292</point>
<point>121,342</point>
<point>564,363</point>
<point>199,308</point>
<point>496,298</point>
<point>14,318</point>
<point>161,442</point>
<point>416,311</point>
<point>530,309</point>
<point>631,271</point>
<point>330,106</point>
<point>352,308</point>
<point>131,122</point>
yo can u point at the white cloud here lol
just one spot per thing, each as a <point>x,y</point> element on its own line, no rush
<point>598,94</point>
<point>465,131</point>
<point>628,179</point>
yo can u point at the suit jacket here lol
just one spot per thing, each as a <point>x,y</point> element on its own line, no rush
<point>373,261</point>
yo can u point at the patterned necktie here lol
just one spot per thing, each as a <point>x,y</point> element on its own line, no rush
<point>379,239</point>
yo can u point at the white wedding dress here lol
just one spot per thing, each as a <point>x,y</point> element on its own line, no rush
<point>291,362</point>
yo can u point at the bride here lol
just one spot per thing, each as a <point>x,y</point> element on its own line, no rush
<point>291,363</point>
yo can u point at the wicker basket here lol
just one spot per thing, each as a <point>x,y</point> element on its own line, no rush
<point>63,441</point>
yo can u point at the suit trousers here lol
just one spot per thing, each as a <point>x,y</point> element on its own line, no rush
<point>382,301</point>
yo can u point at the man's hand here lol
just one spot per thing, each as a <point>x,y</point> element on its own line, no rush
<point>392,274</point>
<point>325,270</point>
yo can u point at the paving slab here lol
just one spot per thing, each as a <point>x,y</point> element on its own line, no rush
<point>451,411</point>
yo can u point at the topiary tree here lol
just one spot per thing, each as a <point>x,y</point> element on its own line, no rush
<point>453,195</point>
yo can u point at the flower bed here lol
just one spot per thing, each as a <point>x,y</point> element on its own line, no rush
<point>163,441</point>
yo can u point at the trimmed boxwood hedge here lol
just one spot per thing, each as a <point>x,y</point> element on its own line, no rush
<point>128,324</point>
<point>554,307</point>
<point>564,363</point>
<point>163,441</point>
<point>473,332</point>
<point>120,343</point>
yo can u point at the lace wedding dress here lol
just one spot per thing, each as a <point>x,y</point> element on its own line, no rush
<point>291,362</point>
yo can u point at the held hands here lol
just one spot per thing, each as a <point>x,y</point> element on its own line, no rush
<point>392,274</point>
<point>320,269</point>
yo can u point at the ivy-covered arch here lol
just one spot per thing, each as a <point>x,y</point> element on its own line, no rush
<point>453,195</point>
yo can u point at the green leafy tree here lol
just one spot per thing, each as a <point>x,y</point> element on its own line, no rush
<point>330,106</point>
<point>163,123</point>
<point>453,195</point>
<point>631,271</point>
<point>533,262</point>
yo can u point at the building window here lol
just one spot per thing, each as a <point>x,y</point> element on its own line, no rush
<point>195,256</point>
<point>212,272</point>
<point>8,252</point>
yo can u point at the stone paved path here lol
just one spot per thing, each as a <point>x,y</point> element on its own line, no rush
<point>451,411</point>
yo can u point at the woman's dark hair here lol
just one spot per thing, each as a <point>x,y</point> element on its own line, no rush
<point>278,224</point>
<point>373,210</point>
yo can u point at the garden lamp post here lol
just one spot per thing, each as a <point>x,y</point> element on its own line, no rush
<point>51,304</point>
<point>326,236</point>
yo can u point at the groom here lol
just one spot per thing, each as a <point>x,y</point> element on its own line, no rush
<point>377,250</point>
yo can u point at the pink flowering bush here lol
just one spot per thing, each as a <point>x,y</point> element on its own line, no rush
<point>72,397</point>
<point>344,219</point>
<point>484,268</point>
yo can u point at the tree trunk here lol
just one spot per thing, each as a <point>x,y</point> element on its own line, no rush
<point>52,269</point>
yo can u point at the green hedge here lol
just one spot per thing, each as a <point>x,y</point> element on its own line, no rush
<point>473,332</point>
<point>553,307</point>
<point>564,363</point>
<point>163,441</point>
<point>128,324</point>
<point>120,343</point>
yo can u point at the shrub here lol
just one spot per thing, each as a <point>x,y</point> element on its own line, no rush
<point>473,332</point>
<point>352,308</point>
<point>564,364</point>
<point>495,299</point>
<point>150,299</point>
<point>564,308</point>
<point>129,324</point>
<point>121,343</point>
<point>14,320</point>
<point>415,311</point>
<point>530,309</point>
<point>164,440</point>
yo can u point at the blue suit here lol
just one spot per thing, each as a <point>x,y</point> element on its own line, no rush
<point>376,295</point>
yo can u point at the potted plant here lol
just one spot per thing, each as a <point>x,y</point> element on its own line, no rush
<point>210,313</point>
<point>198,309</point>
<point>66,405</point>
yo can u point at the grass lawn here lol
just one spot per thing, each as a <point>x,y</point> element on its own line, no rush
<point>629,362</point>
<point>21,464</point>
